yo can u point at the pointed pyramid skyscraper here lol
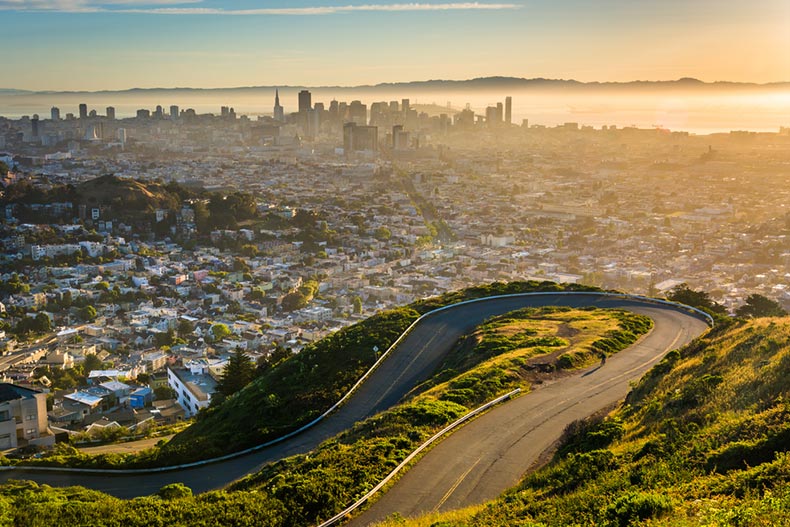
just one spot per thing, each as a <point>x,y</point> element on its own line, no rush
<point>278,113</point>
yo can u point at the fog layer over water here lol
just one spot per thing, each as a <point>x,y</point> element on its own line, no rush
<point>697,111</point>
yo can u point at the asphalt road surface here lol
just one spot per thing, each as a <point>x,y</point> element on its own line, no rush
<point>415,359</point>
<point>491,454</point>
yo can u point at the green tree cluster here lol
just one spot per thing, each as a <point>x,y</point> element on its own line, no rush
<point>238,373</point>
<point>760,306</point>
<point>699,299</point>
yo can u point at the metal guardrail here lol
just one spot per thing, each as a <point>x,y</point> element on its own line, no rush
<point>339,516</point>
<point>356,385</point>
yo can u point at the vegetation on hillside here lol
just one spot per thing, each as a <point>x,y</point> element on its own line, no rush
<point>702,439</point>
<point>304,489</point>
<point>294,391</point>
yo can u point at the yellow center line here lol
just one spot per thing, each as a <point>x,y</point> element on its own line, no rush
<point>456,484</point>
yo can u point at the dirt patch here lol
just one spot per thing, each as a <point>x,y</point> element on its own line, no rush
<point>567,331</point>
<point>543,369</point>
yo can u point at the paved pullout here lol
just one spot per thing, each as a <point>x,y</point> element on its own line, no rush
<point>418,355</point>
<point>491,454</point>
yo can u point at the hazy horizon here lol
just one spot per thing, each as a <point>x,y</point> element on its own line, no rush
<point>700,112</point>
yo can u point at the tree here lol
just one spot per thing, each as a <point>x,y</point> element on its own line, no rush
<point>220,331</point>
<point>249,250</point>
<point>185,328</point>
<point>65,300</point>
<point>88,313</point>
<point>256,295</point>
<point>357,302</point>
<point>699,299</point>
<point>240,265</point>
<point>165,339</point>
<point>163,393</point>
<point>238,373</point>
<point>278,354</point>
<point>294,301</point>
<point>382,234</point>
<point>174,491</point>
<point>42,323</point>
<point>759,306</point>
<point>92,362</point>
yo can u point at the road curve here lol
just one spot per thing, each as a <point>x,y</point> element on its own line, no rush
<point>491,454</point>
<point>413,361</point>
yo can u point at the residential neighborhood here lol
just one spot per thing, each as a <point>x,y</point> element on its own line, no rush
<point>139,269</point>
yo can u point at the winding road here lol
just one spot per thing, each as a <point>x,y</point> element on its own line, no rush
<point>498,447</point>
<point>486,457</point>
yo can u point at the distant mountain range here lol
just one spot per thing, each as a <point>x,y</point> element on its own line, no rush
<point>481,83</point>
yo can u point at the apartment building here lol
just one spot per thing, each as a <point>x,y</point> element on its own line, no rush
<point>23,418</point>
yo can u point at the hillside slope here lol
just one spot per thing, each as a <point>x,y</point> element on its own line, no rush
<point>126,196</point>
<point>702,439</point>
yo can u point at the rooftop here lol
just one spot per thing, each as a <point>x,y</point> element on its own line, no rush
<point>11,392</point>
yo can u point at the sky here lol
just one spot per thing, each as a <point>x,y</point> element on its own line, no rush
<point>118,44</point>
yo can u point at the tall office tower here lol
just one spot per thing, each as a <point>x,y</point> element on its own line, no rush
<point>305,101</point>
<point>34,125</point>
<point>92,133</point>
<point>312,122</point>
<point>122,135</point>
<point>224,111</point>
<point>359,138</point>
<point>278,113</point>
<point>159,113</point>
<point>490,115</point>
<point>110,113</point>
<point>404,105</point>
<point>143,113</point>
<point>394,106</point>
<point>83,111</point>
<point>54,113</point>
<point>499,112</point>
<point>378,113</point>
<point>465,118</point>
<point>358,112</point>
<point>400,139</point>
<point>173,112</point>
<point>508,110</point>
<point>92,114</point>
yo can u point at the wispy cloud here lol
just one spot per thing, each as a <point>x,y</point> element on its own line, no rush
<point>85,6</point>
<point>149,7</point>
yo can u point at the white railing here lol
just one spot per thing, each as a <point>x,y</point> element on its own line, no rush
<point>339,516</point>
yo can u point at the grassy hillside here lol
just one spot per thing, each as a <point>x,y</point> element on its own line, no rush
<point>702,439</point>
<point>307,384</point>
<point>304,489</point>
<point>294,392</point>
<point>126,196</point>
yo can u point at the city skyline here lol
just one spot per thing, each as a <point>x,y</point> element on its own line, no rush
<point>120,44</point>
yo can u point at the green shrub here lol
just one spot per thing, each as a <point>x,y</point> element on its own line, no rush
<point>174,491</point>
<point>630,508</point>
